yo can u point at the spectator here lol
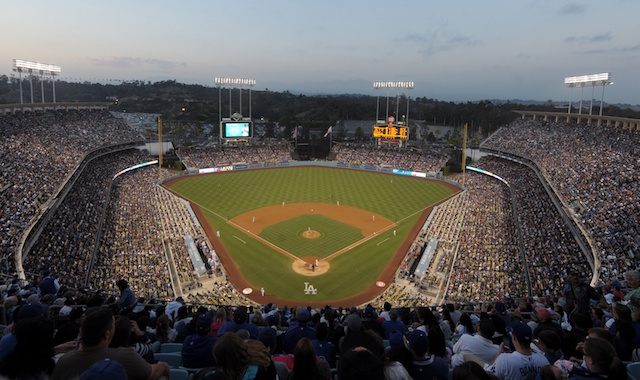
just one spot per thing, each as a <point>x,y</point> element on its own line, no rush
<point>480,344</point>
<point>49,284</point>
<point>127,300</point>
<point>32,356</point>
<point>393,324</point>
<point>239,322</point>
<point>579,294</point>
<point>470,371</point>
<point>323,347</point>
<point>197,349</point>
<point>601,361</point>
<point>425,366</point>
<point>97,331</point>
<point>234,357</point>
<point>219,319</point>
<point>522,363</point>
<point>128,334</point>
<point>164,332</point>
<point>298,331</point>
<point>306,364</point>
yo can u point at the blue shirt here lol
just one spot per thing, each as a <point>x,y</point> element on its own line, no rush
<point>127,299</point>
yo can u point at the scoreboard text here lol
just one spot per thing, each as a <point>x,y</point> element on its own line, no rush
<point>390,132</point>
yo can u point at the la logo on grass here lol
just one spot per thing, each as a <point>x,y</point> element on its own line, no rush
<point>309,289</point>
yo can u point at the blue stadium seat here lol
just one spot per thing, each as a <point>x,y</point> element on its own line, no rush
<point>171,347</point>
<point>174,359</point>
<point>178,374</point>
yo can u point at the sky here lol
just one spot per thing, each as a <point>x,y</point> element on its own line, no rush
<point>457,50</point>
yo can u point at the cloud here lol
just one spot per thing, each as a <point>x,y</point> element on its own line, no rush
<point>572,9</point>
<point>594,38</point>
<point>617,49</point>
<point>128,62</point>
<point>438,42</point>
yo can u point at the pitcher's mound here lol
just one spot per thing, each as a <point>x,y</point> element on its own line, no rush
<point>304,266</point>
<point>311,234</point>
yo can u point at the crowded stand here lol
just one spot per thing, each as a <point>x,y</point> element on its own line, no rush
<point>505,270</point>
<point>245,153</point>
<point>593,169</point>
<point>40,151</point>
<point>408,159</point>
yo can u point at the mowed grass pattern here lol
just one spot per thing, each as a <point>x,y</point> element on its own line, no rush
<point>398,198</point>
<point>334,235</point>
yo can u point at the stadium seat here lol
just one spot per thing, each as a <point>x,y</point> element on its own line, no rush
<point>171,347</point>
<point>633,370</point>
<point>174,359</point>
<point>178,374</point>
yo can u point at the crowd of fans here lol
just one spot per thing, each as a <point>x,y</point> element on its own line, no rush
<point>249,153</point>
<point>594,171</point>
<point>408,159</point>
<point>68,334</point>
<point>39,151</point>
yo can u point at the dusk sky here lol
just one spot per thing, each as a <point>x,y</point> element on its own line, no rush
<point>453,50</point>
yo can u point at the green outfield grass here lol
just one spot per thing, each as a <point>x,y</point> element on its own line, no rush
<point>226,195</point>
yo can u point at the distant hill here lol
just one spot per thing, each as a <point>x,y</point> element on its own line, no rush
<point>200,104</point>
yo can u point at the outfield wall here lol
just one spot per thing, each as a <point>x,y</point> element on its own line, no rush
<point>328,164</point>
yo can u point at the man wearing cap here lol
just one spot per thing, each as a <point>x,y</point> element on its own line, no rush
<point>97,331</point>
<point>48,285</point>
<point>522,363</point>
<point>197,349</point>
<point>352,324</point>
<point>393,324</point>
<point>239,322</point>
<point>425,366</point>
<point>299,331</point>
<point>545,322</point>
<point>479,344</point>
<point>578,295</point>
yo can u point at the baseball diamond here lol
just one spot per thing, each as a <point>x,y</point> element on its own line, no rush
<point>338,231</point>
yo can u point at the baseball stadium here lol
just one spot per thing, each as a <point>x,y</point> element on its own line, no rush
<point>281,232</point>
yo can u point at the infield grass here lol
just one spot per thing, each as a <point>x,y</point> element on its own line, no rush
<point>226,195</point>
<point>334,235</point>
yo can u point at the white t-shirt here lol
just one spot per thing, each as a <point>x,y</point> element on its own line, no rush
<point>476,345</point>
<point>515,366</point>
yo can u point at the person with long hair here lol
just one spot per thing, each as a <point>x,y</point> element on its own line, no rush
<point>164,332</point>
<point>306,364</point>
<point>241,360</point>
<point>601,361</point>
<point>219,319</point>
<point>465,326</point>
<point>128,334</point>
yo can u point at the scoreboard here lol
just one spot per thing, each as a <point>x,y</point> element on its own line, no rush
<point>236,129</point>
<point>390,132</point>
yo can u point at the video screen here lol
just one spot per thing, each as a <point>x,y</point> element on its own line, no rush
<point>235,130</point>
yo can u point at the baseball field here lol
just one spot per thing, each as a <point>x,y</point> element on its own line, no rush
<point>310,235</point>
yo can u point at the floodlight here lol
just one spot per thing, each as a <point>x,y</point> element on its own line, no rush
<point>35,66</point>
<point>591,78</point>
<point>235,81</point>
<point>379,85</point>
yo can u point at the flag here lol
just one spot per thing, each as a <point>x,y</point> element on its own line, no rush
<point>328,132</point>
<point>295,133</point>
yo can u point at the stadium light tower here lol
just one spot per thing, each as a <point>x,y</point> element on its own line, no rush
<point>593,80</point>
<point>397,86</point>
<point>43,69</point>
<point>233,83</point>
